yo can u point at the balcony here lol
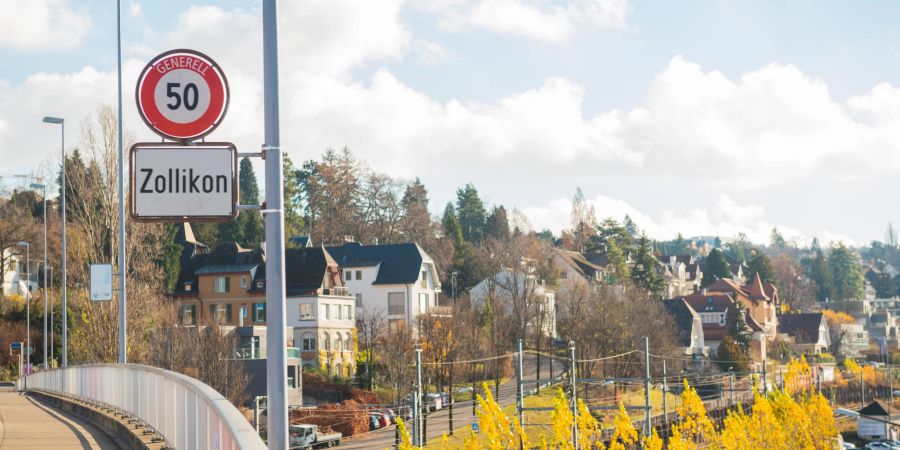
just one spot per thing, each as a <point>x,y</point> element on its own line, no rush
<point>244,353</point>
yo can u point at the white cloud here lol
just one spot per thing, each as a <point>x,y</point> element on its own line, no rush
<point>42,25</point>
<point>726,218</point>
<point>553,23</point>
<point>134,8</point>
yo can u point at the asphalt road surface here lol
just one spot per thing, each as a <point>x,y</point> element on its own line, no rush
<point>439,421</point>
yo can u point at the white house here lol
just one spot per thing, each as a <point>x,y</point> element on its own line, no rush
<point>14,277</point>
<point>510,287</point>
<point>870,424</point>
<point>400,279</point>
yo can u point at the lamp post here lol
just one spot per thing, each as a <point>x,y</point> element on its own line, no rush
<point>43,188</point>
<point>65,304</point>
<point>27,302</point>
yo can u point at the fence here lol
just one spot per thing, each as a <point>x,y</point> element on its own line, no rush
<point>185,412</point>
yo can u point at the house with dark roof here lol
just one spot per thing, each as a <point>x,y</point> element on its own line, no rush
<point>682,274</point>
<point>712,307</point>
<point>806,332</point>
<point>573,268</point>
<point>689,328</point>
<point>760,299</point>
<point>870,424</point>
<point>399,280</point>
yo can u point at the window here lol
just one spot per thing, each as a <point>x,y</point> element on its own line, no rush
<point>291,377</point>
<point>308,342</point>
<point>348,275</point>
<point>424,279</point>
<point>338,343</point>
<point>223,285</point>
<point>359,274</point>
<point>325,314</point>
<point>396,303</point>
<point>259,312</point>
<point>220,314</point>
<point>337,312</point>
<point>307,312</point>
<point>348,314</point>
<point>243,281</point>
<point>359,300</point>
<point>326,342</point>
<point>396,324</point>
<point>423,303</point>
<point>188,315</point>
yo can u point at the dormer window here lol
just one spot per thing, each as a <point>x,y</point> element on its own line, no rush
<point>188,287</point>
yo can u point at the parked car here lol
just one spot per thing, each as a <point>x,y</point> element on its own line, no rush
<point>374,422</point>
<point>434,401</point>
<point>391,415</point>
<point>383,419</point>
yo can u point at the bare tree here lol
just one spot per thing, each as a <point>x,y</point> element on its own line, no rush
<point>370,325</point>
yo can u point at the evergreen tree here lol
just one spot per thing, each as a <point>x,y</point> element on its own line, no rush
<point>611,229</point>
<point>731,357</point>
<point>450,224</point>
<point>846,273</point>
<point>644,274</point>
<point>169,261</point>
<point>416,218</point>
<point>293,217</point>
<point>718,242</point>
<point>736,325</point>
<point>247,229</point>
<point>776,239</point>
<point>546,235</point>
<point>470,213</point>
<point>631,227</point>
<point>716,268</point>
<point>680,245</point>
<point>497,224</point>
<point>760,265</point>
<point>821,274</point>
<point>74,168</point>
<point>249,190</point>
<point>617,265</point>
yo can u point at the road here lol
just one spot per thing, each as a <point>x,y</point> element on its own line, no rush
<point>438,421</point>
<point>27,423</point>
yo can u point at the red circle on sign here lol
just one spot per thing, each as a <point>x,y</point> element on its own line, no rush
<point>151,110</point>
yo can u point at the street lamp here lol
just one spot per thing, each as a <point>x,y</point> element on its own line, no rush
<point>43,188</point>
<point>27,302</point>
<point>65,303</point>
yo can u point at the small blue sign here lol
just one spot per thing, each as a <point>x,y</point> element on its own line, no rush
<point>15,346</point>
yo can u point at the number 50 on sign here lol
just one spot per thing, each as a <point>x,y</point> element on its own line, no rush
<point>182,95</point>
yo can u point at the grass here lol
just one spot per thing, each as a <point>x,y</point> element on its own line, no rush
<point>537,423</point>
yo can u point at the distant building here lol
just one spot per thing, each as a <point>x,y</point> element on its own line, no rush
<point>808,332</point>
<point>511,287</point>
<point>399,279</point>
<point>18,279</point>
<point>870,424</point>
<point>682,274</point>
<point>713,308</point>
<point>760,299</point>
<point>689,328</point>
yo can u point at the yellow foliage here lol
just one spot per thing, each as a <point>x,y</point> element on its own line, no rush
<point>797,376</point>
<point>654,442</point>
<point>694,425</point>
<point>838,318</point>
<point>588,428</point>
<point>405,439</point>
<point>625,434</point>
<point>561,420</point>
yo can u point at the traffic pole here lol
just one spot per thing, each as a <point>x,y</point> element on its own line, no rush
<point>646,389</point>
<point>520,397</point>
<point>417,401</point>
<point>276,362</point>
<point>123,304</point>
<point>665,395</point>
<point>574,405</point>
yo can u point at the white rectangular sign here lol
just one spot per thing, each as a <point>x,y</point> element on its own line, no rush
<point>182,182</point>
<point>101,282</point>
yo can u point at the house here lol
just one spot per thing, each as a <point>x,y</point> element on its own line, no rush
<point>689,328</point>
<point>511,289</point>
<point>807,332</point>
<point>713,309</point>
<point>682,274</point>
<point>870,424</point>
<point>320,311</point>
<point>573,270</point>
<point>760,299</point>
<point>852,339</point>
<point>399,279</point>
<point>18,279</point>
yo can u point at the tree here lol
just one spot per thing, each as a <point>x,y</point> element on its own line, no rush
<point>739,249</point>
<point>680,245</point>
<point>794,289</point>
<point>170,259</point>
<point>470,212</point>
<point>330,189</point>
<point>450,223</point>
<point>716,268</point>
<point>776,239</point>
<point>644,274</point>
<point>821,275</point>
<point>583,221</point>
<point>497,224</point>
<point>890,236</point>
<point>608,229</point>
<point>730,356</point>
<point>247,229</point>
<point>416,223</point>
<point>293,217</point>
<point>619,272</point>
<point>633,231</point>
<point>846,273</point>
<point>760,265</point>
<point>736,325</point>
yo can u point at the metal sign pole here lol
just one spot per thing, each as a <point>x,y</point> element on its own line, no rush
<point>276,362</point>
<point>123,305</point>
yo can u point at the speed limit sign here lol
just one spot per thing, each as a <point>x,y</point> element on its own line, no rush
<point>182,95</point>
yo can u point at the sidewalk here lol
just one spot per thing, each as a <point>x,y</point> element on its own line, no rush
<point>26,423</point>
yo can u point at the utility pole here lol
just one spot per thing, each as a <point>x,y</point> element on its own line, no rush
<point>276,362</point>
<point>450,369</point>
<point>123,304</point>
<point>665,395</point>
<point>765,380</point>
<point>732,387</point>
<point>417,401</point>
<point>65,304</point>
<point>646,388</point>
<point>572,381</point>
<point>520,397</point>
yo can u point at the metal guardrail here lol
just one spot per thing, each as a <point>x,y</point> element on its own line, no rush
<point>187,413</point>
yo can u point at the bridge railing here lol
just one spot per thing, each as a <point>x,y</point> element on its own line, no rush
<point>187,413</point>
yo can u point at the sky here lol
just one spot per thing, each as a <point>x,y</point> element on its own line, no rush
<point>699,117</point>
